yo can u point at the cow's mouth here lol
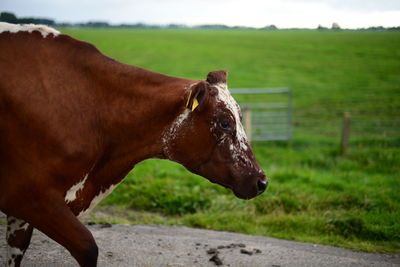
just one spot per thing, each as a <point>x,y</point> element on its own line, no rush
<point>236,192</point>
<point>244,196</point>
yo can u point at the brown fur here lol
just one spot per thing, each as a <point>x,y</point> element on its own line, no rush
<point>67,111</point>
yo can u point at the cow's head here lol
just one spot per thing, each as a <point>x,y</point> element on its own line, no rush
<point>209,140</point>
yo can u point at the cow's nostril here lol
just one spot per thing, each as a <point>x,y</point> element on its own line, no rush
<point>262,185</point>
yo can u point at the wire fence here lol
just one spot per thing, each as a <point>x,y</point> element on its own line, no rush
<point>269,115</point>
<point>364,126</point>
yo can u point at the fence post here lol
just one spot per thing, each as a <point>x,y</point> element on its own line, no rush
<point>345,133</point>
<point>289,114</point>
<point>247,123</point>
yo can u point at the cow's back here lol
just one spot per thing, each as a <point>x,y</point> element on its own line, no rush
<point>47,105</point>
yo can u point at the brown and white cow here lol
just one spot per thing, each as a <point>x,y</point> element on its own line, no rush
<point>74,122</point>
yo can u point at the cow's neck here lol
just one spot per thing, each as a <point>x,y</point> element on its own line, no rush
<point>138,107</point>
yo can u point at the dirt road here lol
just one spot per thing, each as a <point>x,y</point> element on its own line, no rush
<point>146,245</point>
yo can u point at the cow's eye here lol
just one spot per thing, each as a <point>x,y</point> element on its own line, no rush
<point>224,124</point>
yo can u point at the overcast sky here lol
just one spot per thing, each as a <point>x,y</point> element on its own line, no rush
<point>256,13</point>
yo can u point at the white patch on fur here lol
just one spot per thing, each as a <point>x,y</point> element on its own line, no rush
<point>71,193</point>
<point>179,120</point>
<point>13,28</point>
<point>172,131</point>
<point>15,226</point>
<point>12,253</point>
<point>225,97</point>
<point>102,194</point>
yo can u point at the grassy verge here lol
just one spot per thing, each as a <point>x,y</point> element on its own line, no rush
<point>315,196</point>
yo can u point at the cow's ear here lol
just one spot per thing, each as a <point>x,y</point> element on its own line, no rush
<point>218,76</point>
<point>196,95</point>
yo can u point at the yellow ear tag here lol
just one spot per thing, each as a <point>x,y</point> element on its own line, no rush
<point>195,104</point>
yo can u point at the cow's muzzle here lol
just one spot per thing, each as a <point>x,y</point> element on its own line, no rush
<point>251,190</point>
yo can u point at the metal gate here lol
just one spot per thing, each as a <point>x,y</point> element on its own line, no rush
<point>267,112</point>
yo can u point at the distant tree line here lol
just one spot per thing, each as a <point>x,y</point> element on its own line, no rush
<point>11,18</point>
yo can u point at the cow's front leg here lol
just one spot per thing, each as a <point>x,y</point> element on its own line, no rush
<point>53,217</point>
<point>18,237</point>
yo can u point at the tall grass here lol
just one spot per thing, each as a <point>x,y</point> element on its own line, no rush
<point>315,194</point>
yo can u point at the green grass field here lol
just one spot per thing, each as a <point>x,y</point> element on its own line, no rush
<point>315,195</point>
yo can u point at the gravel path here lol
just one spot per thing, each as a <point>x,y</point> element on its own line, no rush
<point>147,245</point>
